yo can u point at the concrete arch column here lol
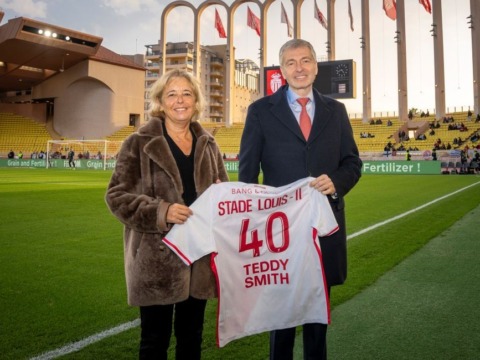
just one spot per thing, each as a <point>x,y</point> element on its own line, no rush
<point>163,27</point>
<point>437,36</point>
<point>474,21</point>
<point>399,38</point>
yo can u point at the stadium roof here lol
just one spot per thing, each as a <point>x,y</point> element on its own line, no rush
<point>31,51</point>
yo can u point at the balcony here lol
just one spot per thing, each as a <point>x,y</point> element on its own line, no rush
<point>151,76</point>
<point>215,61</point>
<point>153,66</point>
<point>216,84</point>
<point>216,104</point>
<point>183,65</point>
<point>216,94</point>
<point>177,51</point>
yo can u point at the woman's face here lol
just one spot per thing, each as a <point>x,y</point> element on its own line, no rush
<point>178,101</point>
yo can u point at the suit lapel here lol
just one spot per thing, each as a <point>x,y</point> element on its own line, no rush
<point>322,116</point>
<point>281,110</point>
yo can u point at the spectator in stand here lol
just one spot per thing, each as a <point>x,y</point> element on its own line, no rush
<point>160,171</point>
<point>20,154</point>
<point>11,154</point>
<point>434,154</point>
<point>475,136</point>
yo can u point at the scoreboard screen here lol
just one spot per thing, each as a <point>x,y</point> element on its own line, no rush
<point>336,79</point>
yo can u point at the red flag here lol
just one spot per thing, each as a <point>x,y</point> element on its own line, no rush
<point>319,16</point>
<point>426,5</point>
<point>253,21</point>
<point>350,15</point>
<point>390,7</point>
<point>284,20</point>
<point>219,26</point>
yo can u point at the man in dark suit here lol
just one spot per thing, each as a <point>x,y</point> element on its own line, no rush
<point>273,142</point>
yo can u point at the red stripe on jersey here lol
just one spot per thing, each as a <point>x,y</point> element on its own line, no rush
<point>177,251</point>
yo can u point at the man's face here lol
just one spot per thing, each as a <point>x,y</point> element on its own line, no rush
<point>299,68</point>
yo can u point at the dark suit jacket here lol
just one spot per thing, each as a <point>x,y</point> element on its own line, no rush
<point>272,142</point>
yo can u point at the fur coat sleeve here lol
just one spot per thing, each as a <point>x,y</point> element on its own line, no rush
<point>144,183</point>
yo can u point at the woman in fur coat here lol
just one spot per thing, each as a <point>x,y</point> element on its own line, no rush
<point>161,169</point>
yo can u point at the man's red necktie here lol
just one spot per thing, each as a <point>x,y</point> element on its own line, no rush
<point>305,122</point>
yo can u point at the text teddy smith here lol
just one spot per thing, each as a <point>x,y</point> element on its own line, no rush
<point>262,272</point>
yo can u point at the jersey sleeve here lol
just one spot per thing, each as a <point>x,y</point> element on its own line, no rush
<point>194,239</point>
<point>323,218</point>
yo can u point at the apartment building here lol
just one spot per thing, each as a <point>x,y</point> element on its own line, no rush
<point>212,73</point>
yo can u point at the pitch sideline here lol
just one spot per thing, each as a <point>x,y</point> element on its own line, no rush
<point>76,346</point>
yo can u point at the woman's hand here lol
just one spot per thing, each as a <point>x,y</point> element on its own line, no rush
<point>178,213</point>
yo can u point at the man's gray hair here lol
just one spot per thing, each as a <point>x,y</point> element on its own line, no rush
<point>295,44</point>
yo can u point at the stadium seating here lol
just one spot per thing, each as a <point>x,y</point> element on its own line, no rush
<point>121,134</point>
<point>21,133</point>
<point>382,134</point>
<point>228,139</point>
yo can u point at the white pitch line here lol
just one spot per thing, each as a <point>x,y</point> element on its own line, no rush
<point>375,226</point>
<point>72,347</point>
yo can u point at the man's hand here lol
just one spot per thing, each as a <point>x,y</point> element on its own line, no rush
<point>324,184</point>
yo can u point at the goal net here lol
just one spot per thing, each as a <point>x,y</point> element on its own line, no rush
<point>99,152</point>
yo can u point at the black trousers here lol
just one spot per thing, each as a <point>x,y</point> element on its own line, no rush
<point>314,343</point>
<point>156,330</point>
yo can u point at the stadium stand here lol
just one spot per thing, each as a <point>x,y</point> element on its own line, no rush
<point>25,134</point>
<point>228,139</point>
<point>19,133</point>
<point>121,134</point>
<point>376,136</point>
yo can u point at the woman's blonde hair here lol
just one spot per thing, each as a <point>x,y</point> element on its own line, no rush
<point>158,87</point>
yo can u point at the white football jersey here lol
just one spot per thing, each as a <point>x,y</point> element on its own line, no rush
<point>265,254</point>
